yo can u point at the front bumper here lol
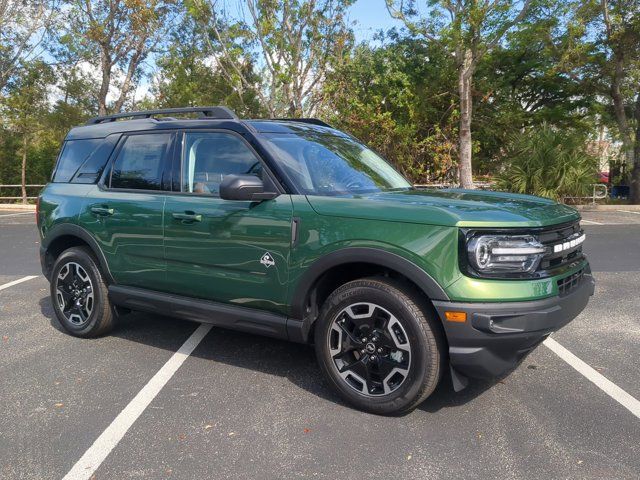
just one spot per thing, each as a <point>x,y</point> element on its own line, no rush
<point>497,336</point>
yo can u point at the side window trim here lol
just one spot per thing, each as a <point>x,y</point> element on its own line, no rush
<point>105,180</point>
<point>57,165</point>
<point>179,153</point>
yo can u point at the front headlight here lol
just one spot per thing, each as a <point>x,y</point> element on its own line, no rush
<point>489,254</point>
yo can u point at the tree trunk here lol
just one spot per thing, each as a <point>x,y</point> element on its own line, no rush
<point>24,169</point>
<point>465,78</point>
<point>635,173</point>
<point>105,66</point>
<point>623,126</point>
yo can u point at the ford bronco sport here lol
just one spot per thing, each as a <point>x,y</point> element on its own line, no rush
<point>292,229</point>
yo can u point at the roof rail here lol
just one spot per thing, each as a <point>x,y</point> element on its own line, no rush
<point>312,121</point>
<point>220,113</point>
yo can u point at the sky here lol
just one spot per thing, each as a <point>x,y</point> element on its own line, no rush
<point>371,16</point>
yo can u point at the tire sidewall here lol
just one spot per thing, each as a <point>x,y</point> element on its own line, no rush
<point>422,355</point>
<point>86,261</point>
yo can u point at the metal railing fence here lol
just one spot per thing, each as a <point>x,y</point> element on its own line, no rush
<point>18,186</point>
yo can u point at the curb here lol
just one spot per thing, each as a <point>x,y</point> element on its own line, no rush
<point>17,206</point>
<point>606,208</point>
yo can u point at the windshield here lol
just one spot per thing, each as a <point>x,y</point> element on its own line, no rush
<point>323,163</point>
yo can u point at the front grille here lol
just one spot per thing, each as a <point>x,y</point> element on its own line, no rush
<point>567,284</point>
<point>558,235</point>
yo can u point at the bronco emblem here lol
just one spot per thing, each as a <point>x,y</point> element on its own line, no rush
<point>267,260</point>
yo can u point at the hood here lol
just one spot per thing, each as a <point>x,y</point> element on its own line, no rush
<point>451,207</point>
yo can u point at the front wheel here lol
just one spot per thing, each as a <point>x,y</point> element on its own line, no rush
<point>377,347</point>
<point>79,294</point>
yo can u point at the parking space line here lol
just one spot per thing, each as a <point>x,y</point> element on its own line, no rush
<point>606,385</point>
<point>629,211</point>
<point>106,442</point>
<point>16,282</point>
<point>16,214</point>
<point>591,221</point>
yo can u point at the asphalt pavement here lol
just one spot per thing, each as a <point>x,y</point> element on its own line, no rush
<point>243,406</point>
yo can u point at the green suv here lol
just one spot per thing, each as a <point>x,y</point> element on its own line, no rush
<point>292,229</point>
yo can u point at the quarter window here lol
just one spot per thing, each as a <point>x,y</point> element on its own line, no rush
<point>140,162</point>
<point>74,153</point>
<point>211,156</point>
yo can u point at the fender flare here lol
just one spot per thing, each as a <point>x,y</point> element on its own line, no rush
<point>374,256</point>
<point>69,229</point>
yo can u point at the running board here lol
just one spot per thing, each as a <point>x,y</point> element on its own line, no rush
<point>222,315</point>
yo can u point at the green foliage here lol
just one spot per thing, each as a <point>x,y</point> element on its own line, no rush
<point>398,98</point>
<point>549,162</point>
<point>551,73</point>
<point>187,76</point>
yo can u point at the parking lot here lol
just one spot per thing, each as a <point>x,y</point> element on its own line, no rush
<point>243,406</point>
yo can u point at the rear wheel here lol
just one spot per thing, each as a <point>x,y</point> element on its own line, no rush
<point>79,294</point>
<point>377,347</point>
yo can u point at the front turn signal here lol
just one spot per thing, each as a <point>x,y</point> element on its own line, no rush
<point>459,317</point>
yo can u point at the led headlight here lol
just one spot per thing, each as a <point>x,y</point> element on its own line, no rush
<point>505,253</point>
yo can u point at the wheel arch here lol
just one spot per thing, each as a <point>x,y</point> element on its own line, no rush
<point>345,265</point>
<point>62,237</point>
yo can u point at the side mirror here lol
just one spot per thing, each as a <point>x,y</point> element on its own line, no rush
<point>244,187</point>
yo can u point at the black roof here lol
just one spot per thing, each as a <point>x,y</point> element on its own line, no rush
<point>208,117</point>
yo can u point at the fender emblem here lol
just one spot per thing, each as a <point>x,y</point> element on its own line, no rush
<point>267,260</point>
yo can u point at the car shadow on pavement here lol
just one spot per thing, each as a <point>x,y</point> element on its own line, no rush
<point>293,361</point>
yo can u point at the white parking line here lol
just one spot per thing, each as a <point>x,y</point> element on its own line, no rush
<point>591,221</point>
<point>629,211</point>
<point>606,385</point>
<point>16,214</point>
<point>16,282</point>
<point>106,442</point>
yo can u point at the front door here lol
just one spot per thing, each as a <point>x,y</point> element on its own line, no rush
<point>126,212</point>
<point>223,250</point>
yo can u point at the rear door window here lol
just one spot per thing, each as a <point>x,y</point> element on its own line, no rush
<point>141,162</point>
<point>74,153</point>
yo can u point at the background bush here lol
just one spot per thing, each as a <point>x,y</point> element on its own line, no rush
<point>549,162</point>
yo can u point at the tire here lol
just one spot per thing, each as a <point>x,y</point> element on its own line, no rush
<point>377,347</point>
<point>82,308</point>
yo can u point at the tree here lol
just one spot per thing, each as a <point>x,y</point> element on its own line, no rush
<point>25,107</point>
<point>531,80</point>
<point>294,42</point>
<point>468,29</point>
<point>23,27</point>
<point>115,37</point>
<point>186,75</point>
<point>618,26</point>
<point>398,98</point>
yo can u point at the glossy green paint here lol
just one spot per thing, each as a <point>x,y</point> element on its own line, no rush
<point>218,257</point>
<point>453,208</point>
<point>467,289</point>
<point>432,248</point>
<point>132,237</point>
<point>60,203</point>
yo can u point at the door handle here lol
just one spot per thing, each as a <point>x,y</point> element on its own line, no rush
<point>187,217</point>
<point>104,211</point>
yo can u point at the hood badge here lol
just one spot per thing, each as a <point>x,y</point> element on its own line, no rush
<point>267,260</point>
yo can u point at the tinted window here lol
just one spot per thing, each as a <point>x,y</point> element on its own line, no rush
<point>74,153</point>
<point>140,162</point>
<point>92,168</point>
<point>209,157</point>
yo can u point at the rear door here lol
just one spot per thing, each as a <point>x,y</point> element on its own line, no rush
<point>125,210</point>
<point>223,250</point>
